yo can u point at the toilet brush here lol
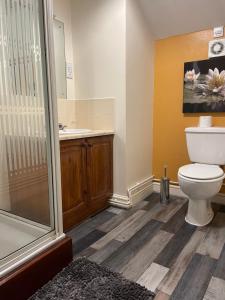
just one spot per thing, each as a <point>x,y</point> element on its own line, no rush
<point>164,188</point>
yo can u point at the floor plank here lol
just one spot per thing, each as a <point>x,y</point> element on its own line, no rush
<point>129,231</point>
<point>115,210</point>
<point>118,219</point>
<point>158,212</point>
<point>87,252</point>
<point>220,268</point>
<point>162,296</point>
<point>116,231</point>
<point>89,225</point>
<point>175,246</point>
<point>175,223</point>
<point>86,241</point>
<point>195,280</point>
<point>170,282</point>
<point>143,258</point>
<point>165,212</point>
<point>215,290</point>
<point>102,254</point>
<point>213,243</point>
<point>115,221</point>
<point>121,256</point>
<point>153,276</point>
<point>152,200</point>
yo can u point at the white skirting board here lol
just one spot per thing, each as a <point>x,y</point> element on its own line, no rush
<point>176,191</point>
<point>143,189</point>
<point>120,201</point>
<point>136,193</point>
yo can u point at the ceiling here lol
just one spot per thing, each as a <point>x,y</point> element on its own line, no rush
<point>173,17</point>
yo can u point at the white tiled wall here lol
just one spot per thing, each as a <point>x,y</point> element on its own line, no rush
<point>95,114</point>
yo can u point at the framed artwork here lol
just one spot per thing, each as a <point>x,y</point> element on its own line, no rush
<point>204,86</point>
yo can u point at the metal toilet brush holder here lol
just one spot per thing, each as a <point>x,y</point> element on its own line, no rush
<point>165,188</point>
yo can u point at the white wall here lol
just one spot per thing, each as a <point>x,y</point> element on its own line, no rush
<point>139,94</point>
<point>62,12</point>
<point>99,64</point>
<point>113,58</point>
<point>94,114</point>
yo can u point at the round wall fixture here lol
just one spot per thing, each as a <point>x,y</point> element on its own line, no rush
<point>216,48</point>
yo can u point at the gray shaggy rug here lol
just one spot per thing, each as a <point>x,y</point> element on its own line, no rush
<point>83,280</point>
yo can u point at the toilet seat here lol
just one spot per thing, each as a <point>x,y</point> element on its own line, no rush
<point>201,172</point>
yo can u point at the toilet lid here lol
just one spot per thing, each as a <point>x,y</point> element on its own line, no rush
<point>200,171</point>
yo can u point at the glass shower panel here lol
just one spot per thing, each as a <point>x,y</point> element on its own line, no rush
<point>25,177</point>
<point>60,58</point>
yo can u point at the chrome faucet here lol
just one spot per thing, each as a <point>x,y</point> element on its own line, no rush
<point>61,126</point>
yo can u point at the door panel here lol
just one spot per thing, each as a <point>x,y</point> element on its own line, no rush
<point>99,170</point>
<point>73,173</point>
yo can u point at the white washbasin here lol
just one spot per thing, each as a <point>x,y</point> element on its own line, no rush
<point>74,131</point>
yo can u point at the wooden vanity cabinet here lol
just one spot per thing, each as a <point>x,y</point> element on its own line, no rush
<point>87,177</point>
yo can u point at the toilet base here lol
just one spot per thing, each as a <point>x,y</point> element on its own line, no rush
<point>199,213</point>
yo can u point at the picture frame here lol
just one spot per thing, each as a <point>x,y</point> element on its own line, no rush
<point>204,86</point>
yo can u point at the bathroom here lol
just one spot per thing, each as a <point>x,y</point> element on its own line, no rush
<point>94,106</point>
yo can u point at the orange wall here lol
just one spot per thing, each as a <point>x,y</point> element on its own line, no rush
<point>169,145</point>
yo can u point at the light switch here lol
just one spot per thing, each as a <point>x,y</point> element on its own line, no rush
<point>218,31</point>
<point>69,70</point>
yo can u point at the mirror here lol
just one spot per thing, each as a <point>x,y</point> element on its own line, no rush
<point>60,58</point>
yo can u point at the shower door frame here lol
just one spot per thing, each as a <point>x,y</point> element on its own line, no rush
<point>26,253</point>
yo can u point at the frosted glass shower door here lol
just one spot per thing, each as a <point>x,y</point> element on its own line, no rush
<point>26,203</point>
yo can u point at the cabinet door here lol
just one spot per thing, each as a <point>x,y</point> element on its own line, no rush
<point>74,188</point>
<point>100,171</point>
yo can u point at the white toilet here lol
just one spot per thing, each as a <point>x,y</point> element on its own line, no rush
<point>202,180</point>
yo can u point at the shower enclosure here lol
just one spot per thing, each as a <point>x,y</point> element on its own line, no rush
<point>30,210</point>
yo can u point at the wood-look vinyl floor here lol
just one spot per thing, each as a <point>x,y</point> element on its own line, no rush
<point>154,246</point>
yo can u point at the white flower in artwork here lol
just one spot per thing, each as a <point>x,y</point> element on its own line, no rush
<point>214,83</point>
<point>191,76</point>
<point>215,80</point>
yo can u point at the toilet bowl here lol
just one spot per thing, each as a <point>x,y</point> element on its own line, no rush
<point>202,179</point>
<point>200,182</point>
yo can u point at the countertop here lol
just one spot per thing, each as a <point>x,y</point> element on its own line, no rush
<point>73,136</point>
